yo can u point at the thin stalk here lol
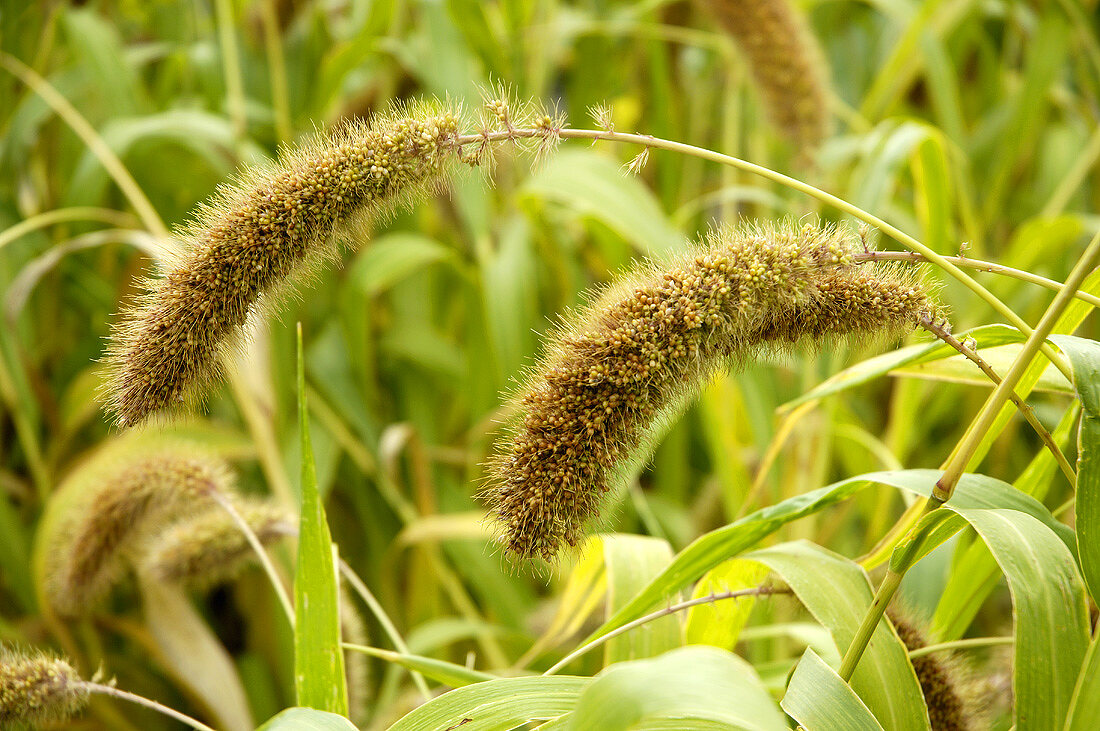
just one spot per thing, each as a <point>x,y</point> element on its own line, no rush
<point>118,219</point>
<point>897,234</point>
<point>147,702</point>
<point>940,331</point>
<point>981,266</point>
<point>671,609</point>
<point>964,451</point>
<point>96,144</point>
<point>961,645</point>
<point>261,554</point>
<point>384,620</point>
<point>231,69</point>
<point>273,48</point>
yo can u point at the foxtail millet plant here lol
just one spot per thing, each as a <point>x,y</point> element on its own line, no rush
<point>943,692</point>
<point>208,548</point>
<point>253,239</point>
<point>106,510</point>
<point>633,356</point>
<point>786,64</point>
<point>36,688</point>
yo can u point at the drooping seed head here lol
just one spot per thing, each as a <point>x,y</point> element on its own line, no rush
<point>786,64</point>
<point>633,356</point>
<point>107,508</point>
<point>247,246</point>
<point>209,548</point>
<point>38,689</point>
<point>944,692</point>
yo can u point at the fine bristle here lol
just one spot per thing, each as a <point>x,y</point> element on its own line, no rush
<point>648,343</point>
<point>253,239</point>
<point>37,689</point>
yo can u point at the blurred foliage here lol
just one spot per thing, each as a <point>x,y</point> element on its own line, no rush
<point>956,121</point>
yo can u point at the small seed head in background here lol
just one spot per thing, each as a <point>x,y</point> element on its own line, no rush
<point>944,692</point>
<point>209,548</point>
<point>786,64</point>
<point>108,507</point>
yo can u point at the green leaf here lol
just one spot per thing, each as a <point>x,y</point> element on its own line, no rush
<point>975,573</point>
<point>440,671</point>
<point>821,701</point>
<point>719,624</point>
<point>987,336</point>
<point>1084,355</point>
<point>307,719</point>
<point>711,549</point>
<point>695,687</point>
<point>1052,619</point>
<point>192,654</point>
<point>592,184</point>
<point>496,705</point>
<point>319,679</point>
<point>837,593</point>
<point>392,257</point>
<point>631,563</point>
<point>1085,705</point>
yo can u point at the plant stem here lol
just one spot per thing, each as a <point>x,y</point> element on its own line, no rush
<point>261,554</point>
<point>960,645</point>
<point>388,627</point>
<point>109,690</point>
<point>671,609</point>
<point>964,451</point>
<point>1026,411</point>
<point>900,236</point>
<point>981,266</point>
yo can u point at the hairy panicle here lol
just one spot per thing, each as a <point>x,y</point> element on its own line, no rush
<point>785,62</point>
<point>945,693</point>
<point>353,630</point>
<point>107,509</point>
<point>253,239</point>
<point>209,548</point>
<point>38,689</point>
<point>639,350</point>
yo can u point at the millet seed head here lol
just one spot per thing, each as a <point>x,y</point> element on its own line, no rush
<point>208,547</point>
<point>944,692</point>
<point>109,506</point>
<point>786,64</point>
<point>640,349</point>
<point>253,240</point>
<point>36,688</point>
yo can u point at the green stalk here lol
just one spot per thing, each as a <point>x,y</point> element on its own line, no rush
<point>963,453</point>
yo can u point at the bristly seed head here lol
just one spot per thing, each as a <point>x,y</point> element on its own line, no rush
<point>786,63</point>
<point>97,517</point>
<point>252,240</point>
<point>209,548</point>
<point>944,693</point>
<point>38,689</point>
<point>646,344</point>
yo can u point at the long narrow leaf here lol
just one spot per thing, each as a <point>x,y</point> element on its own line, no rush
<point>318,659</point>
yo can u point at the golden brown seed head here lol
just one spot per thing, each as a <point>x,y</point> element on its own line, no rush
<point>647,343</point>
<point>943,695</point>
<point>209,548</point>
<point>107,509</point>
<point>786,64</point>
<point>37,689</point>
<point>252,240</point>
